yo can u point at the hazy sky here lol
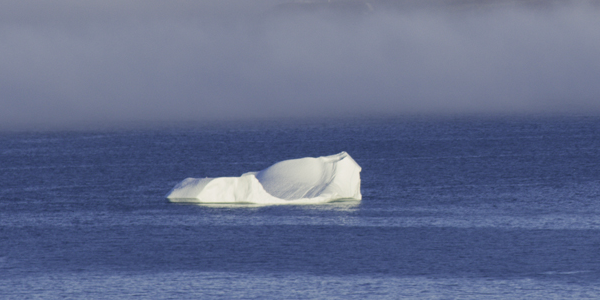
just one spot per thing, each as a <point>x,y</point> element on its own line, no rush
<point>104,61</point>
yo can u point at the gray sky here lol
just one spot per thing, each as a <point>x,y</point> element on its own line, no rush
<point>68,62</point>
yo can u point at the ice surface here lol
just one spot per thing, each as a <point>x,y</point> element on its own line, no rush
<point>297,181</point>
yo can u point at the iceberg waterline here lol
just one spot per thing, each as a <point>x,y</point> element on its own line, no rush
<point>308,180</point>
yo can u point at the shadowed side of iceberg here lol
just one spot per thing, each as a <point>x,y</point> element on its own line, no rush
<point>243,189</point>
<point>297,181</point>
<point>337,175</point>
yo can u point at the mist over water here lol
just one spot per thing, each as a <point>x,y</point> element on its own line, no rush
<point>98,62</point>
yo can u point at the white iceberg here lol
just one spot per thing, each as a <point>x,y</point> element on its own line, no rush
<point>306,180</point>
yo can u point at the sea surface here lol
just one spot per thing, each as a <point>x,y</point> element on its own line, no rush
<point>453,208</point>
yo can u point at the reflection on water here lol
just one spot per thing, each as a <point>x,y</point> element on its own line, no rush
<point>341,205</point>
<point>231,285</point>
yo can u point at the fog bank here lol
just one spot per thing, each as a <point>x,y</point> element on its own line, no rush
<point>109,62</point>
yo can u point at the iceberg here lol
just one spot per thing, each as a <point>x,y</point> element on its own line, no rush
<point>309,180</point>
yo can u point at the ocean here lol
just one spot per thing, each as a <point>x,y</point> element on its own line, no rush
<point>453,208</point>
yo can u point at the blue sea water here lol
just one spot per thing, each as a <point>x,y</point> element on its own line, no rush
<point>497,208</point>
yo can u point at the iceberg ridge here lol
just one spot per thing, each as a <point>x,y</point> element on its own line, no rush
<point>308,180</point>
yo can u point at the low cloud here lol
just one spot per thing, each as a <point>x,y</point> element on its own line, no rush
<point>107,63</point>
